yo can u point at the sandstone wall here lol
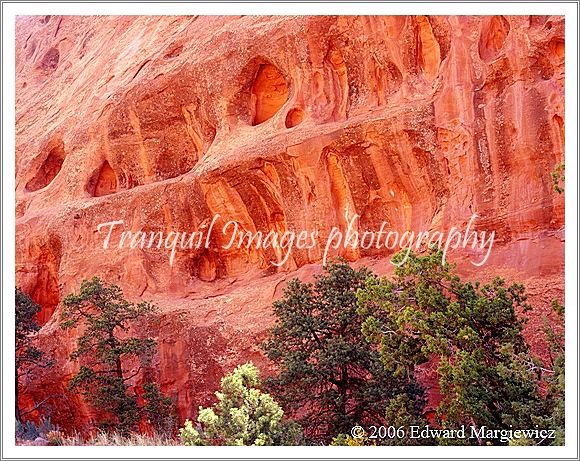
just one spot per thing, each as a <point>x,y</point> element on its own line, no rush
<point>277,123</point>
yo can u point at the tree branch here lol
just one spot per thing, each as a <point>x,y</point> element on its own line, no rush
<point>133,375</point>
<point>35,407</point>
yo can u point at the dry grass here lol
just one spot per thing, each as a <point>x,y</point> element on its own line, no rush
<point>111,439</point>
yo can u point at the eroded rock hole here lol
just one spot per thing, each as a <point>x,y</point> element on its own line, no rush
<point>49,168</point>
<point>50,60</point>
<point>103,182</point>
<point>294,117</point>
<point>270,92</point>
<point>205,267</point>
<point>557,47</point>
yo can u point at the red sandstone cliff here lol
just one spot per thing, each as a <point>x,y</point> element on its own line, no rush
<point>277,123</point>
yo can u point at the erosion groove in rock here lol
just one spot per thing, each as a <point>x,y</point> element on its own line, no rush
<point>493,36</point>
<point>339,81</point>
<point>41,275</point>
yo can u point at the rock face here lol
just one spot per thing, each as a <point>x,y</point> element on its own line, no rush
<point>276,123</point>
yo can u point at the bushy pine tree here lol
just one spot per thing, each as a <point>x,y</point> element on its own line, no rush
<point>330,379</point>
<point>106,352</point>
<point>487,374</point>
<point>243,415</point>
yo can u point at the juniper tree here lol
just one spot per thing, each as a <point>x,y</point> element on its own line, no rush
<point>329,378</point>
<point>553,380</point>
<point>105,352</point>
<point>487,374</point>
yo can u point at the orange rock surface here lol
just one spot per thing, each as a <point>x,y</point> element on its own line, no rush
<point>277,123</point>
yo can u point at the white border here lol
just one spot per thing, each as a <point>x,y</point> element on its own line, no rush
<point>11,10</point>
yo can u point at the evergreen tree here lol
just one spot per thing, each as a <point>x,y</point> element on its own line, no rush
<point>105,352</point>
<point>330,378</point>
<point>553,379</point>
<point>243,415</point>
<point>159,410</point>
<point>487,374</point>
<point>28,356</point>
